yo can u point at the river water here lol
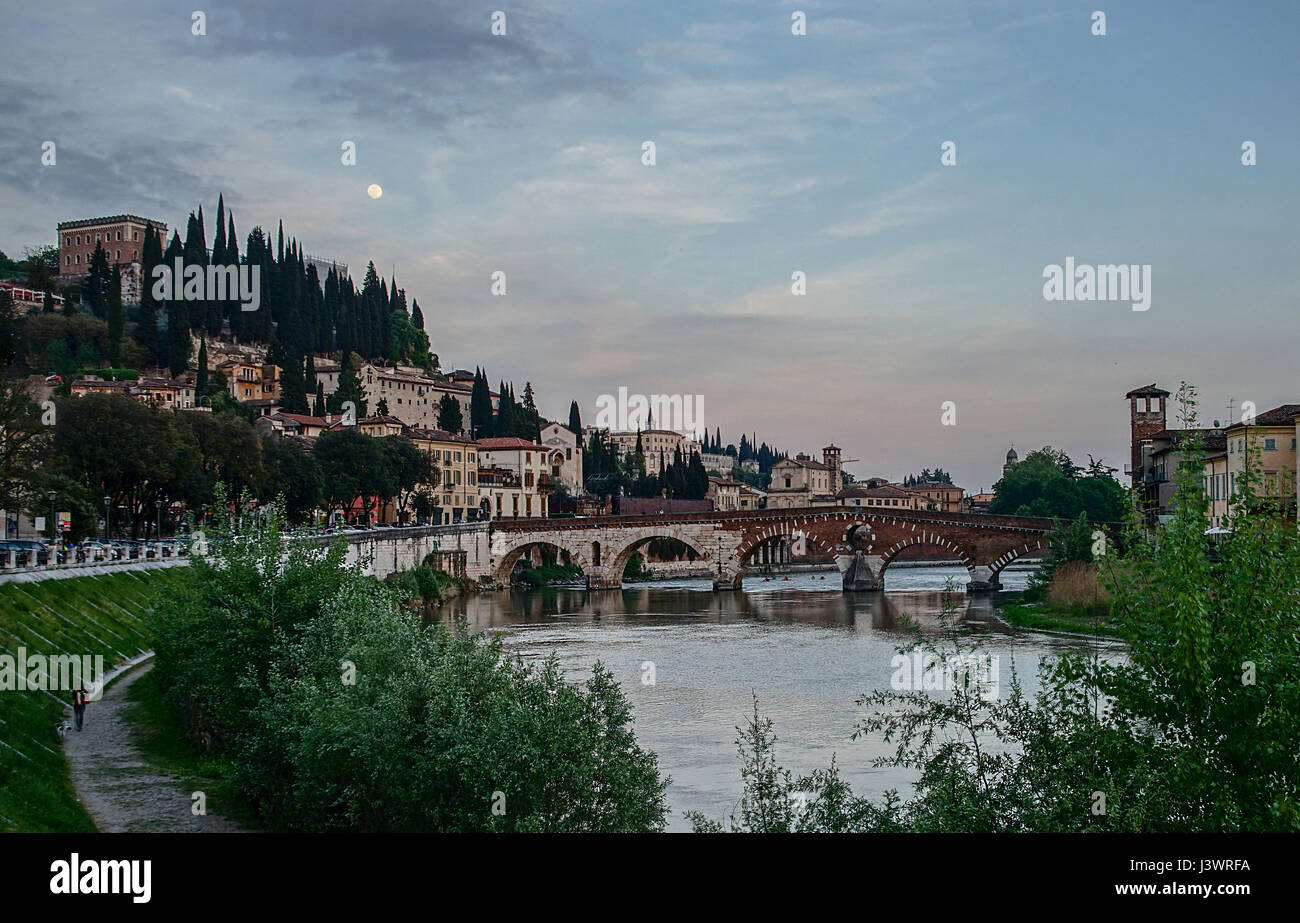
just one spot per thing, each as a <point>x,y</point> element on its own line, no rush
<point>805,648</point>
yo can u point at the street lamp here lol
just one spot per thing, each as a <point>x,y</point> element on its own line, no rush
<point>108,511</point>
<point>54,527</point>
<point>158,504</point>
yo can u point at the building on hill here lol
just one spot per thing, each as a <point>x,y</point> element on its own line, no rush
<point>720,462</point>
<point>656,444</point>
<point>887,496</point>
<point>455,458</point>
<point>518,477</point>
<point>409,394</point>
<point>937,495</point>
<point>800,481</point>
<point>564,456</point>
<point>379,426</point>
<point>171,394</point>
<point>751,498</point>
<point>725,494</point>
<point>249,380</point>
<point>122,237</point>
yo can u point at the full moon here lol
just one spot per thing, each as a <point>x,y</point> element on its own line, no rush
<point>374,190</point>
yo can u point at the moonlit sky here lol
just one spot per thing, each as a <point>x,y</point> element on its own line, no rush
<point>775,153</point>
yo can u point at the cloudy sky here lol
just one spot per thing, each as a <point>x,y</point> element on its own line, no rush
<point>775,153</point>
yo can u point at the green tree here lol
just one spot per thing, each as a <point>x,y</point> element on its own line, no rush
<point>97,282</point>
<point>290,472</point>
<point>450,417</point>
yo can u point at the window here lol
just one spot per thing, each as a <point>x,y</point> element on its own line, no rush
<point>79,240</point>
<point>68,262</point>
<point>119,235</point>
<point>1270,445</point>
<point>1141,404</point>
<point>67,240</point>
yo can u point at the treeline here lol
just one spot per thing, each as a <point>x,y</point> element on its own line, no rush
<point>1047,483</point>
<point>146,459</point>
<point>938,475</point>
<point>764,454</point>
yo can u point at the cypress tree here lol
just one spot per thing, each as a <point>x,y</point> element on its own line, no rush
<point>417,316</point>
<point>217,309</point>
<point>178,319</point>
<point>96,285</point>
<point>234,310</point>
<point>146,327</point>
<point>575,419</point>
<point>196,254</point>
<point>201,377</point>
<point>480,406</point>
<point>114,297</point>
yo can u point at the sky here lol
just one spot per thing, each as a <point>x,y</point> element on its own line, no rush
<point>775,153</point>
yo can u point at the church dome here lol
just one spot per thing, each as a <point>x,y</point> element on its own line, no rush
<point>1012,457</point>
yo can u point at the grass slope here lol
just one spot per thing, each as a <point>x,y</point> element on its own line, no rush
<point>102,615</point>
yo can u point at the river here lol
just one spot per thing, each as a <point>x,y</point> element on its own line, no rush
<point>805,648</point>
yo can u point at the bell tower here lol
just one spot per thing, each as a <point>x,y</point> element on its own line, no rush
<point>831,459</point>
<point>1147,409</point>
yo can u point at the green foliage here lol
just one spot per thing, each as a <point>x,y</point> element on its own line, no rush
<point>450,417</point>
<point>256,650</point>
<point>1046,483</point>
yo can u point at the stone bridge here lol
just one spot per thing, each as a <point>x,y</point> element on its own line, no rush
<point>861,543</point>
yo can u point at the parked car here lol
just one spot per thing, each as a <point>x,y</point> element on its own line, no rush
<point>26,553</point>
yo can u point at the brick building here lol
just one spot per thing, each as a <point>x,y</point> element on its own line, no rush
<point>122,237</point>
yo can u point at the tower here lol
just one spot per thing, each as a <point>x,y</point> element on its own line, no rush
<point>1012,458</point>
<point>831,459</point>
<point>1147,407</point>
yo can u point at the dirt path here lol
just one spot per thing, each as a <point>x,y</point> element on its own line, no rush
<point>122,792</point>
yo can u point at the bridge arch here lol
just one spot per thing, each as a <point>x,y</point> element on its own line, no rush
<point>923,537</point>
<point>1011,555</point>
<point>506,565</point>
<point>785,531</point>
<point>616,564</point>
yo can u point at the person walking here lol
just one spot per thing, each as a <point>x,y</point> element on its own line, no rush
<point>79,704</point>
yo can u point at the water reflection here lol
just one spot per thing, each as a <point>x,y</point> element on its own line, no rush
<point>803,647</point>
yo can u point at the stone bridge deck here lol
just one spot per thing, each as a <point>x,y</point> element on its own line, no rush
<point>862,542</point>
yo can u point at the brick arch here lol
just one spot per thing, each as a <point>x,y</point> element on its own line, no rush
<point>924,538</point>
<point>1013,553</point>
<point>511,557</point>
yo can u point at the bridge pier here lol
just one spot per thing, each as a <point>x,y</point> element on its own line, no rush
<point>983,580</point>
<point>861,573</point>
<point>727,582</point>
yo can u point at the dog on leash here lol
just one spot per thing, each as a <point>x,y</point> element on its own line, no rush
<point>62,730</point>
